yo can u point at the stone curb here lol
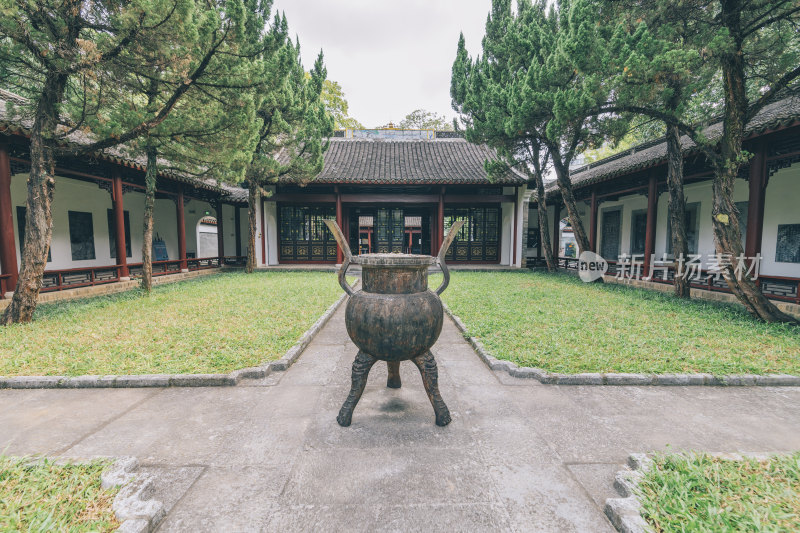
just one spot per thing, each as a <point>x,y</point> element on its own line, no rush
<point>548,378</point>
<point>625,512</point>
<point>177,380</point>
<point>134,505</point>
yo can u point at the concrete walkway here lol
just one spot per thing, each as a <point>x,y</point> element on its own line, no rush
<point>518,456</point>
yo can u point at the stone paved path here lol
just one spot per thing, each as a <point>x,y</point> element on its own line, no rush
<point>518,456</point>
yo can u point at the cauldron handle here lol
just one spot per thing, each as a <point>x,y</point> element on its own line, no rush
<point>348,256</point>
<point>451,235</point>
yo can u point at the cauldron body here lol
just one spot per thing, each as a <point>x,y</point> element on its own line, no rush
<point>394,317</point>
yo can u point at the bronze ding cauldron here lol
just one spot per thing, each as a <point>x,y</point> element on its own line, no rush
<point>393,318</point>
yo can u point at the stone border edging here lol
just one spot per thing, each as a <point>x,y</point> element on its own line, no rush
<point>596,378</point>
<point>133,505</point>
<point>625,512</point>
<point>177,380</point>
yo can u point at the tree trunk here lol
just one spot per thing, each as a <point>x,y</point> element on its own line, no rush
<point>725,217</point>
<point>677,206</point>
<point>565,186</point>
<point>38,215</point>
<point>253,200</point>
<point>150,178</point>
<point>544,226</point>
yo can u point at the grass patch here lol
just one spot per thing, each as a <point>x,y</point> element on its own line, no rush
<point>213,324</point>
<point>701,493</point>
<point>45,496</point>
<point>560,324</point>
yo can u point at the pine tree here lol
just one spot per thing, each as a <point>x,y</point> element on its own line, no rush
<point>292,126</point>
<point>525,97</point>
<point>651,68</point>
<point>60,55</point>
<point>211,131</point>
<point>754,49</point>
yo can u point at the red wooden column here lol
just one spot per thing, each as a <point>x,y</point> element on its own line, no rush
<point>516,214</point>
<point>119,223</point>
<point>650,228</point>
<point>340,222</point>
<point>755,205</point>
<point>556,244</point>
<point>440,222</point>
<point>220,234</point>
<point>593,223</point>
<point>263,235</point>
<point>181,218</point>
<point>8,249</point>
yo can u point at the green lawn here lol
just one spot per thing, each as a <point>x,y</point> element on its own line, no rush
<point>701,493</point>
<point>560,324</point>
<point>213,324</point>
<point>43,496</point>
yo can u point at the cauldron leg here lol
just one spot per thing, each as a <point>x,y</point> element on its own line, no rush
<point>361,368</point>
<point>430,378</point>
<point>394,374</point>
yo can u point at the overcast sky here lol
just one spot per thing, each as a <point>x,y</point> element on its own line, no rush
<point>390,56</point>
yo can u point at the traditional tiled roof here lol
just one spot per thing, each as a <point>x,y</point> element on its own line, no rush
<point>21,125</point>
<point>409,162</point>
<point>775,115</point>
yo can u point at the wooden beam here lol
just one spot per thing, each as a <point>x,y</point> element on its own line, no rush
<point>593,222</point>
<point>263,235</point>
<point>300,198</point>
<point>476,199</point>
<point>516,214</point>
<point>340,222</point>
<point>390,198</point>
<point>119,222</point>
<point>439,222</point>
<point>757,183</point>
<point>220,233</point>
<point>8,249</point>
<point>556,231</point>
<point>650,228</point>
<point>181,218</point>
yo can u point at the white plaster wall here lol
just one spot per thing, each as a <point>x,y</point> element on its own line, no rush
<point>533,222</point>
<point>75,195</point>
<point>780,207</point>
<point>506,232</point>
<point>194,211</point>
<point>271,222</point>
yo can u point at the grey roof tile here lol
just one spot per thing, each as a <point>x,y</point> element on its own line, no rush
<point>774,115</point>
<point>409,162</point>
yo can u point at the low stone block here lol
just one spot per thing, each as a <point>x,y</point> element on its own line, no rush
<point>673,379</point>
<point>146,380</point>
<point>628,379</point>
<point>249,373</point>
<point>280,365</point>
<point>35,382</point>
<point>578,379</point>
<point>202,380</point>
<point>778,380</point>
<point>529,373</point>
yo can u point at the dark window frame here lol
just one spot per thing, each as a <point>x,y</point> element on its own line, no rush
<point>81,235</point>
<point>21,214</point>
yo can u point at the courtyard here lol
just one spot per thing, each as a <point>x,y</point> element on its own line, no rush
<point>268,455</point>
<point>211,325</point>
<point>452,266</point>
<point>560,324</point>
